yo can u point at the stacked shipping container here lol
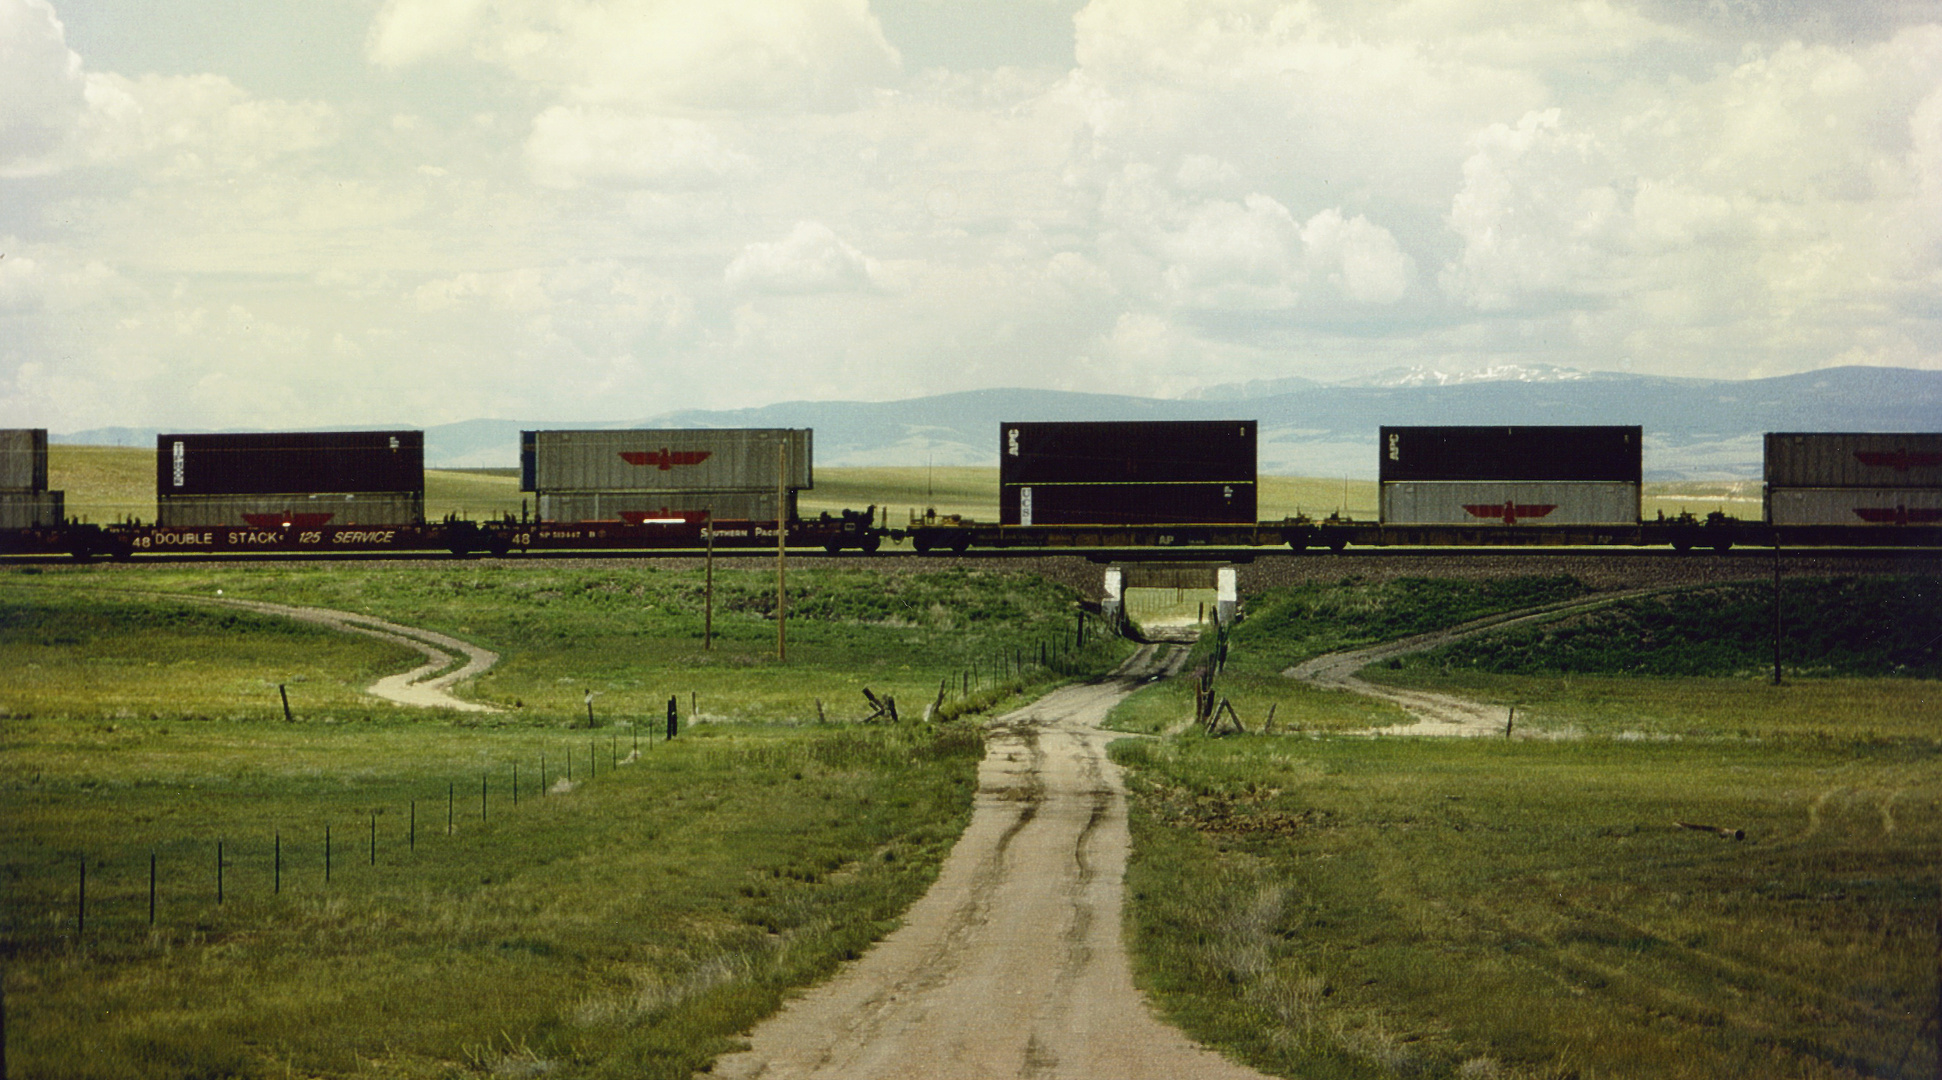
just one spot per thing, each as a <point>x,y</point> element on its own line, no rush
<point>1514,476</point>
<point>667,476</point>
<point>25,502</point>
<point>1127,473</point>
<point>290,479</point>
<point>1867,479</point>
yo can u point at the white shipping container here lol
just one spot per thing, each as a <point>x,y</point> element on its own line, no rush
<point>23,459</point>
<point>639,506</point>
<point>299,511</point>
<point>31,509</point>
<point>1859,459</point>
<point>1882,507</point>
<point>734,459</point>
<point>1533,504</point>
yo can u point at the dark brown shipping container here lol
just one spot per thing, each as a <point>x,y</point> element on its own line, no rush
<point>1126,504</point>
<point>1127,452</point>
<point>1556,453</point>
<point>23,459</point>
<point>290,463</point>
<point>1826,459</point>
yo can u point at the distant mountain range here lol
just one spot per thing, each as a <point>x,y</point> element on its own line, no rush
<point>1695,429</point>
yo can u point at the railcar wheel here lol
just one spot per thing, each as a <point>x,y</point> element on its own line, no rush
<point>871,543</point>
<point>922,544</point>
<point>960,544</point>
<point>834,547</point>
<point>1338,544</point>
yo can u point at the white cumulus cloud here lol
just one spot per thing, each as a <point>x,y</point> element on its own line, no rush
<point>666,53</point>
<point>580,144</point>
<point>811,259</point>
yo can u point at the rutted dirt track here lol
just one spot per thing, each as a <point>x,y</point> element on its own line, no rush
<point>414,687</point>
<point>1436,714</point>
<point>1012,964</point>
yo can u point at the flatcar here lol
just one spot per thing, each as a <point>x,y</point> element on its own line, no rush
<point>1138,484</point>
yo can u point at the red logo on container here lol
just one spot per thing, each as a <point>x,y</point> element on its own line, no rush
<point>288,521</point>
<point>1510,513</point>
<point>1900,460</point>
<point>1899,515</point>
<point>665,459</point>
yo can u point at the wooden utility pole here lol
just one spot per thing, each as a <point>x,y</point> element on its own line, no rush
<point>1776,612</point>
<point>781,552</point>
<point>708,583</point>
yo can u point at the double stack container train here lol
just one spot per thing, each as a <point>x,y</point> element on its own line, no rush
<point>1147,484</point>
<point>663,488</point>
<point>1818,481</point>
<point>29,513</point>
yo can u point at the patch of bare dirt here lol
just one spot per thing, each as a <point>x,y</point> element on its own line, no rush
<point>421,686</point>
<point>1437,714</point>
<point>1012,965</point>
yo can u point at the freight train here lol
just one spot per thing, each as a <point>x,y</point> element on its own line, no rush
<point>1120,485</point>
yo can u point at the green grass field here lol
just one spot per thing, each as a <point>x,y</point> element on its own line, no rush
<point>1375,907</point>
<point>628,922</point>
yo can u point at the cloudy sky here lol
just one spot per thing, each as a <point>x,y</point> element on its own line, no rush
<point>234,213</point>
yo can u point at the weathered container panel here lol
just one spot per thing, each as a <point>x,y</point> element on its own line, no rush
<point>1126,504</point>
<point>636,507</point>
<point>730,459</point>
<point>31,509</point>
<point>1524,504</point>
<point>1885,507</point>
<point>1128,452</point>
<point>283,462</point>
<point>1870,459</point>
<point>299,511</point>
<point>1549,453</point>
<point>23,459</point>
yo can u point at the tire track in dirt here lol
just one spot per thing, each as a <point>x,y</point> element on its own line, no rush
<point>1012,964</point>
<point>416,687</point>
<point>1439,714</point>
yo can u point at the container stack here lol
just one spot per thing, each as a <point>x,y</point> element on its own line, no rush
<point>1510,476</point>
<point>1863,479</point>
<point>1153,472</point>
<point>668,476</point>
<point>25,502</point>
<point>281,480</point>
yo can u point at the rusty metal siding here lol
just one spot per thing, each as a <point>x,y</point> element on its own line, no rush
<point>1854,459</point>
<point>301,510</point>
<point>31,509</point>
<point>1128,452</point>
<point>1126,504</point>
<point>23,459</point>
<point>1881,507</point>
<point>285,462</point>
<point>1513,504</point>
<point>636,506</point>
<point>727,459</point>
<point>1524,453</point>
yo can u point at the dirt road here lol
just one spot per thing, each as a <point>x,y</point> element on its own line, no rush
<point>414,687</point>
<point>1012,964</point>
<point>1437,714</point>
